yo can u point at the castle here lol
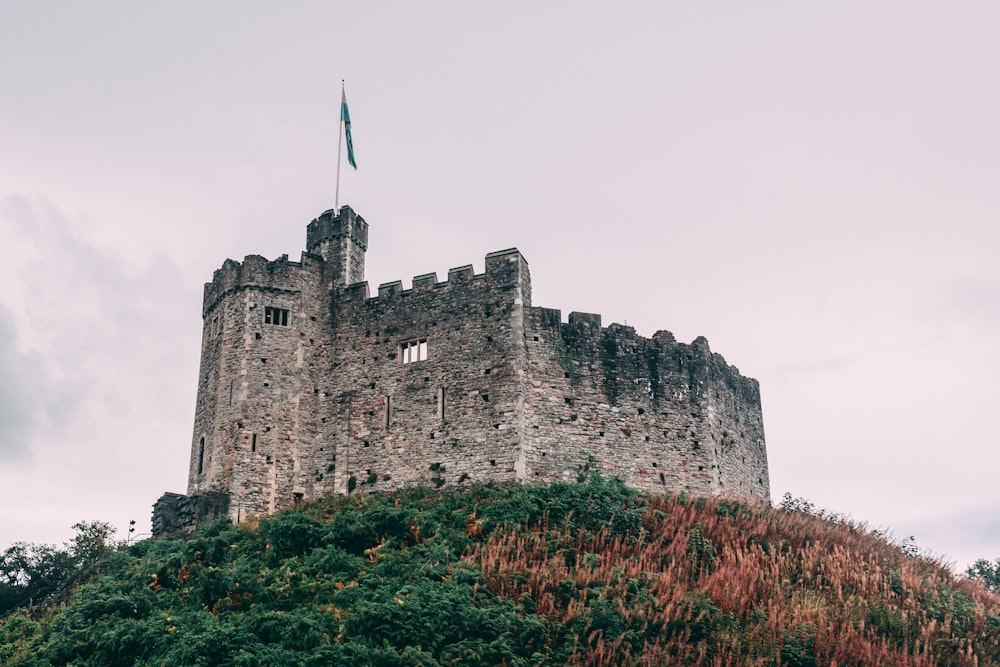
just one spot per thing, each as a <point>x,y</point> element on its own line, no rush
<point>310,386</point>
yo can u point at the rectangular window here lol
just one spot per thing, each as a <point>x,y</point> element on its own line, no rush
<point>441,403</point>
<point>388,411</point>
<point>414,350</point>
<point>276,316</point>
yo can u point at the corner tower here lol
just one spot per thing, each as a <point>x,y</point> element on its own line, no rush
<point>264,351</point>
<point>341,239</point>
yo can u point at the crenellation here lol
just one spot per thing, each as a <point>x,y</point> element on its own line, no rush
<point>425,281</point>
<point>358,291</point>
<point>309,386</point>
<point>390,290</point>
<point>461,274</point>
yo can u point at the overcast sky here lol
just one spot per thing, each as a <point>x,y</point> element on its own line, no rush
<point>812,186</point>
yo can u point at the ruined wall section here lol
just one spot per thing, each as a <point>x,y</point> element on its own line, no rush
<point>263,345</point>
<point>448,419</point>
<point>735,428</point>
<point>650,411</point>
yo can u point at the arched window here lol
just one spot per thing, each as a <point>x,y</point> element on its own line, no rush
<point>201,455</point>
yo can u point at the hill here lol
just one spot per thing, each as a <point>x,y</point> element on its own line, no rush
<point>587,574</point>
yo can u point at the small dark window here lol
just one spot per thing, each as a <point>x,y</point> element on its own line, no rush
<point>276,316</point>
<point>253,442</point>
<point>201,456</point>
<point>297,498</point>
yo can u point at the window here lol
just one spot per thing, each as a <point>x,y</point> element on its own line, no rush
<point>440,404</point>
<point>415,350</point>
<point>277,316</point>
<point>201,455</point>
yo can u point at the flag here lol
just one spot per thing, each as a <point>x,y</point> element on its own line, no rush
<point>345,117</point>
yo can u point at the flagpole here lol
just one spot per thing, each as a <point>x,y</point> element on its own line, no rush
<point>340,141</point>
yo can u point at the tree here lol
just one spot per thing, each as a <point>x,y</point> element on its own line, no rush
<point>30,573</point>
<point>986,572</point>
<point>92,542</point>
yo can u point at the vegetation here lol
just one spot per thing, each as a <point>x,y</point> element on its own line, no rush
<point>41,573</point>
<point>986,572</point>
<point>582,574</point>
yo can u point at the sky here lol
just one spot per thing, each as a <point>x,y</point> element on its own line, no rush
<point>811,186</point>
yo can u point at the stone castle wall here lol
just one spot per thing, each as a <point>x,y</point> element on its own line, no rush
<point>309,386</point>
<point>660,414</point>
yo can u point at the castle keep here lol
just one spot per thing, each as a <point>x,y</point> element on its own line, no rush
<point>310,385</point>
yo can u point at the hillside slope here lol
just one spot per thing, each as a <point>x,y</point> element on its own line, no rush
<point>587,574</point>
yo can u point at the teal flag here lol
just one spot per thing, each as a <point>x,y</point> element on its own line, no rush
<point>345,117</point>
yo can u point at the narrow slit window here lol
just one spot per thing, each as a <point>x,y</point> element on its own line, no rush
<point>253,442</point>
<point>388,411</point>
<point>441,403</point>
<point>411,351</point>
<point>201,455</point>
<point>276,316</point>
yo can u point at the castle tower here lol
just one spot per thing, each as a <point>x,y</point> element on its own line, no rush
<point>266,325</point>
<point>341,239</point>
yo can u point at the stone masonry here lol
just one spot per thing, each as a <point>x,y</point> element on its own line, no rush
<point>310,386</point>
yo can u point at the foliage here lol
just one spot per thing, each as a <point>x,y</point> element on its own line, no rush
<point>591,573</point>
<point>986,572</point>
<point>33,573</point>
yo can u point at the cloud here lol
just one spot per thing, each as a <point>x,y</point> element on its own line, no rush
<point>84,340</point>
<point>27,404</point>
<point>98,365</point>
<point>962,535</point>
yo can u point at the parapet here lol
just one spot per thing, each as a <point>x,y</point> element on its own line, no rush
<point>334,225</point>
<point>503,268</point>
<point>257,271</point>
<point>591,321</point>
<point>425,281</point>
<point>462,274</point>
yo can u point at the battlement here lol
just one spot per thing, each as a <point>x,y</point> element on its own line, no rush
<point>505,270</point>
<point>258,272</point>
<point>335,225</point>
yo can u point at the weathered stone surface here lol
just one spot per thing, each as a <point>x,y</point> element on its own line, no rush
<point>176,515</point>
<point>309,386</point>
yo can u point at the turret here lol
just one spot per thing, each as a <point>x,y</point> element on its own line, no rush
<point>340,238</point>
